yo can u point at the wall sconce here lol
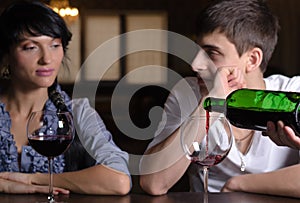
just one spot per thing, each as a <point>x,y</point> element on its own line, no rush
<point>62,7</point>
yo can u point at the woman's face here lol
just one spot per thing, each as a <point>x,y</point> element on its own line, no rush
<point>35,61</point>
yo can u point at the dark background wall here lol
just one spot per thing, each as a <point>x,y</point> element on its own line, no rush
<point>182,15</point>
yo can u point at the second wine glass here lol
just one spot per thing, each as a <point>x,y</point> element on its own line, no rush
<point>206,140</point>
<point>50,133</point>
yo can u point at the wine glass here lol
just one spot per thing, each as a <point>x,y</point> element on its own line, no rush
<point>206,140</point>
<point>50,133</point>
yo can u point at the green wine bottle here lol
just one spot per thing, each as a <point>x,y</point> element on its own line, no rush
<point>252,109</point>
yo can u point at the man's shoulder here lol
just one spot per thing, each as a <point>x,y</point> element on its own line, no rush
<point>186,82</point>
<point>283,83</point>
<point>279,77</point>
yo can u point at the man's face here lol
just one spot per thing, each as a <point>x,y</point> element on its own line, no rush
<point>217,51</point>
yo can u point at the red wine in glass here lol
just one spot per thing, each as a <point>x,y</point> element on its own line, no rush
<point>206,140</point>
<point>50,146</point>
<point>210,159</point>
<point>50,133</point>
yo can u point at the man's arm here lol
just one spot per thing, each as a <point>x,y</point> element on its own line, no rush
<point>163,165</point>
<point>284,182</point>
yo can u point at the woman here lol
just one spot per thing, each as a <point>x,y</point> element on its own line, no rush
<point>34,41</point>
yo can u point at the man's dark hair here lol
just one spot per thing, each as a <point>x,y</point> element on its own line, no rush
<point>246,24</point>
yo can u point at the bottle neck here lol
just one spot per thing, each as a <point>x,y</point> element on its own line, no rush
<point>298,118</point>
<point>212,104</point>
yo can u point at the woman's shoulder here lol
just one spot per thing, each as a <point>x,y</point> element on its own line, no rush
<point>82,109</point>
<point>80,103</point>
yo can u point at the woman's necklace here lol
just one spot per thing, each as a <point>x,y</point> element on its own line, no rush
<point>239,143</point>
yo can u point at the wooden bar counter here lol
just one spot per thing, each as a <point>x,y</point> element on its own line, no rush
<point>173,197</point>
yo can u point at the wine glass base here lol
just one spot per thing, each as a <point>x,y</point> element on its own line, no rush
<point>51,199</point>
<point>55,199</point>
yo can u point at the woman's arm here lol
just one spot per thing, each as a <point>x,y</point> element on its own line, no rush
<point>97,180</point>
<point>111,174</point>
<point>13,187</point>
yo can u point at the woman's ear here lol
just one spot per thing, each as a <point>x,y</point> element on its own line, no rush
<point>4,64</point>
<point>255,57</point>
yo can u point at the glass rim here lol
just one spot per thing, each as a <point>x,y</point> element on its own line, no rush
<point>211,114</point>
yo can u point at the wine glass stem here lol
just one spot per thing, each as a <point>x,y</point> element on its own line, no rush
<point>205,198</point>
<point>50,167</point>
<point>205,177</point>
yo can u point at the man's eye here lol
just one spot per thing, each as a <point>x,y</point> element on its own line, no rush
<point>212,53</point>
<point>56,45</point>
<point>29,48</point>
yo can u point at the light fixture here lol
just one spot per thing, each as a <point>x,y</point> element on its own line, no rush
<point>62,7</point>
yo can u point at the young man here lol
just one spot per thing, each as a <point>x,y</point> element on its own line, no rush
<point>239,37</point>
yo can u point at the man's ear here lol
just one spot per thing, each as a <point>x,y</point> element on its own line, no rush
<point>255,57</point>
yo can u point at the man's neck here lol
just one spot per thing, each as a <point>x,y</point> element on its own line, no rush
<point>255,80</point>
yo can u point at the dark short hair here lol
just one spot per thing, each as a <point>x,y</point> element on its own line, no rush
<point>33,18</point>
<point>246,24</point>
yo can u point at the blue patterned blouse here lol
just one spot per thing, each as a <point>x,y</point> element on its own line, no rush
<point>90,128</point>
<point>30,160</point>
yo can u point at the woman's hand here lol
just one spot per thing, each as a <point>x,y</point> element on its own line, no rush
<point>20,183</point>
<point>282,135</point>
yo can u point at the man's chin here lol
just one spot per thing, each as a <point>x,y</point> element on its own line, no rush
<point>203,82</point>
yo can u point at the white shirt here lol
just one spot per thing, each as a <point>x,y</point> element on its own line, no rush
<point>263,155</point>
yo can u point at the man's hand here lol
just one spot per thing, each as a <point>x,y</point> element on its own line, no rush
<point>232,185</point>
<point>282,135</point>
<point>227,79</point>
